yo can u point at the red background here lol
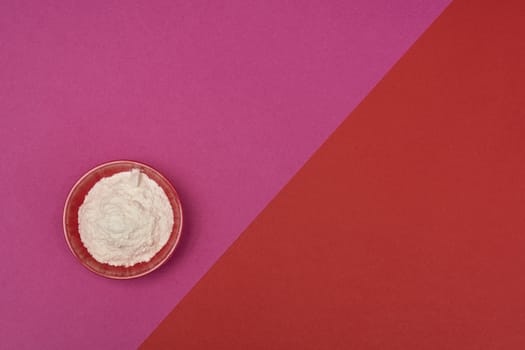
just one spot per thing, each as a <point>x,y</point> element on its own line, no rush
<point>406,229</point>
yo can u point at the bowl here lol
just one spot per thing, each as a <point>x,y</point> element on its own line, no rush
<point>76,198</point>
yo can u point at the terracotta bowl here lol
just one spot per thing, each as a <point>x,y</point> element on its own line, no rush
<point>76,198</point>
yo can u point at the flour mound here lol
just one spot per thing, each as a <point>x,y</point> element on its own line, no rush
<point>125,219</point>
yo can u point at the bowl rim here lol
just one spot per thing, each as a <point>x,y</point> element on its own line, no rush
<point>178,232</point>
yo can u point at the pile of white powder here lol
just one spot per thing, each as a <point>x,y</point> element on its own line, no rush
<point>125,219</point>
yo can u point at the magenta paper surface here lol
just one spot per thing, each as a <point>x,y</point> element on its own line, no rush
<point>228,100</point>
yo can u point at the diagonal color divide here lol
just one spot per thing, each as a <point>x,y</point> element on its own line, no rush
<point>406,229</point>
<point>226,99</point>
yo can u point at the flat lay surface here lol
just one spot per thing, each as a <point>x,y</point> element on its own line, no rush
<point>308,222</point>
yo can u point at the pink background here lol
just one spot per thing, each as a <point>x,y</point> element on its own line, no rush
<point>228,100</point>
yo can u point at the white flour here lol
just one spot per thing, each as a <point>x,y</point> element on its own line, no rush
<point>125,219</point>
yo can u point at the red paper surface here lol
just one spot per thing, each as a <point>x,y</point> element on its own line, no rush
<point>406,230</point>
